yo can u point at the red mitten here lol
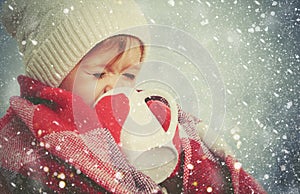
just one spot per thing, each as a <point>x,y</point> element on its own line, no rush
<point>112,112</point>
<point>162,113</point>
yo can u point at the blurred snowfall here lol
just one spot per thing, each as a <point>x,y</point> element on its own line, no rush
<point>256,47</point>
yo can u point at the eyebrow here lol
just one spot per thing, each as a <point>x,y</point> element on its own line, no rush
<point>94,67</point>
<point>137,66</point>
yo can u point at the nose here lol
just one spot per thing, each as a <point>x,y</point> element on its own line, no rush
<point>110,83</point>
<point>107,88</point>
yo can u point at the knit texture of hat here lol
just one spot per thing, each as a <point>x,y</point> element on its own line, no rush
<point>54,35</point>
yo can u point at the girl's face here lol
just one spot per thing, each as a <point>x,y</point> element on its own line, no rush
<point>115,62</point>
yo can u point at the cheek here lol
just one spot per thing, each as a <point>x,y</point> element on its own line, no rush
<point>86,89</point>
<point>125,82</point>
<point>67,83</point>
<point>130,83</point>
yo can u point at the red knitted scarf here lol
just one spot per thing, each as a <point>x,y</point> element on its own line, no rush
<point>47,145</point>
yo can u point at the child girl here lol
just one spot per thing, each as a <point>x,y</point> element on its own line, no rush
<point>54,141</point>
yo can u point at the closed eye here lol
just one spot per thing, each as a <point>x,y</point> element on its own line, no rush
<point>98,75</point>
<point>129,75</point>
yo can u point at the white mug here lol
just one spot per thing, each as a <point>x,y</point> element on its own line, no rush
<point>146,145</point>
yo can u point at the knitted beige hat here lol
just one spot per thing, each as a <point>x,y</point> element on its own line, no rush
<point>53,35</point>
